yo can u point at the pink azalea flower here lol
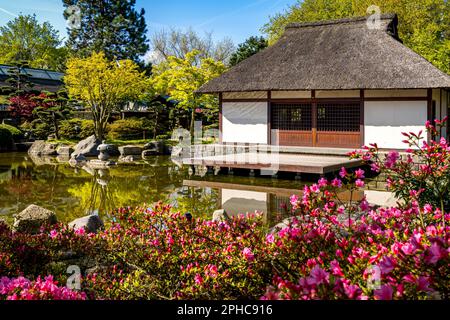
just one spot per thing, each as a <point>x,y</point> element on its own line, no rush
<point>198,279</point>
<point>359,183</point>
<point>336,269</point>
<point>434,254</point>
<point>323,182</point>
<point>428,208</point>
<point>384,293</point>
<point>391,159</point>
<point>294,200</point>
<point>315,188</point>
<point>364,205</point>
<point>408,248</point>
<point>387,265</point>
<point>359,174</point>
<point>336,183</point>
<point>53,234</point>
<point>317,276</point>
<point>375,167</point>
<point>343,172</point>
<point>80,231</point>
<point>352,291</point>
<point>270,238</point>
<point>248,254</point>
<point>423,284</point>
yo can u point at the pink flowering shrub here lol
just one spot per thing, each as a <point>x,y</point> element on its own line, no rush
<point>330,249</point>
<point>423,174</point>
<point>336,251</point>
<point>158,254</point>
<point>41,289</point>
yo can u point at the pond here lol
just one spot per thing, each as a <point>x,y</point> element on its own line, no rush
<point>75,192</point>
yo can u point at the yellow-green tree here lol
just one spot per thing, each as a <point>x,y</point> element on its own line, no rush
<point>180,78</point>
<point>424,26</point>
<point>104,86</point>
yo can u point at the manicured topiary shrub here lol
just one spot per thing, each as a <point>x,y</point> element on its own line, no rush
<point>17,134</point>
<point>76,129</point>
<point>127,129</point>
<point>6,139</point>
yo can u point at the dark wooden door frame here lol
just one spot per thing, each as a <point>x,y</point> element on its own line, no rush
<point>269,118</point>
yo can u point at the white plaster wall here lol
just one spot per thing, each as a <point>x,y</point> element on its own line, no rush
<point>244,122</point>
<point>245,95</point>
<point>338,94</point>
<point>384,122</point>
<point>291,94</point>
<point>395,93</point>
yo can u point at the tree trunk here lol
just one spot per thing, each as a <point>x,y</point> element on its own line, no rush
<point>55,125</point>
<point>192,124</point>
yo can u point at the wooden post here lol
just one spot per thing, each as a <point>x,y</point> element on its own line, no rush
<point>361,114</point>
<point>429,110</point>
<point>269,118</point>
<point>314,118</point>
<point>220,117</point>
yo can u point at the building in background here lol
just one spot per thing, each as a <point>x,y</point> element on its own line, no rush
<point>331,84</point>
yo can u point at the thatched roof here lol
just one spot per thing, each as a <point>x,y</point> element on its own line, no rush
<point>333,55</point>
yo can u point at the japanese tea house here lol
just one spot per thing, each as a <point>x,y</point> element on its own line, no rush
<point>332,84</point>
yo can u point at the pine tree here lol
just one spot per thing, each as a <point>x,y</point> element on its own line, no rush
<point>18,82</point>
<point>110,26</point>
<point>52,108</point>
<point>248,48</point>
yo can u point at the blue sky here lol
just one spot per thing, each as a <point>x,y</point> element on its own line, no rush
<point>237,19</point>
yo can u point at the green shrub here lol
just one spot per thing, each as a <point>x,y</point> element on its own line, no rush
<point>127,129</point>
<point>16,133</point>
<point>76,129</point>
<point>40,130</point>
<point>6,139</point>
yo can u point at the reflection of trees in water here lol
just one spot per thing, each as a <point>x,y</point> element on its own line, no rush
<point>200,202</point>
<point>127,185</point>
<point>101,200</point>
<point>20,182</point>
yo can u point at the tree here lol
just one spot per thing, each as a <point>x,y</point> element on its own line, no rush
<point>112,27</point>
<point>18,81</point>
<point>424,26</point>
<point>104,86</point>
<point>52,108</point>
<point>179,43</point>
<point>25,39</point>
<point>22,106</point>
<point>180,78</point>
<point>248,48</point>
<point>19,91</point>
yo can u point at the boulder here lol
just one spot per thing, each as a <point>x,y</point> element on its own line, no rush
<point>78,160</point>
<point>220,216</point>
<point>43,148</point>
<point>64,150</point>
<point>127,159</point>
<point>91,223</point>
<point>130,150</point>
<point>149,153</point>
<point>157,148</point>
<point>113,150</point>
<point>87,147</point>
<point>32,219</point>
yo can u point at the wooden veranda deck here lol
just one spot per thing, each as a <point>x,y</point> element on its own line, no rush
<point>298,160</point>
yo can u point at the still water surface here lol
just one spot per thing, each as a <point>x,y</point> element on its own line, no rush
<point>75,192</point>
